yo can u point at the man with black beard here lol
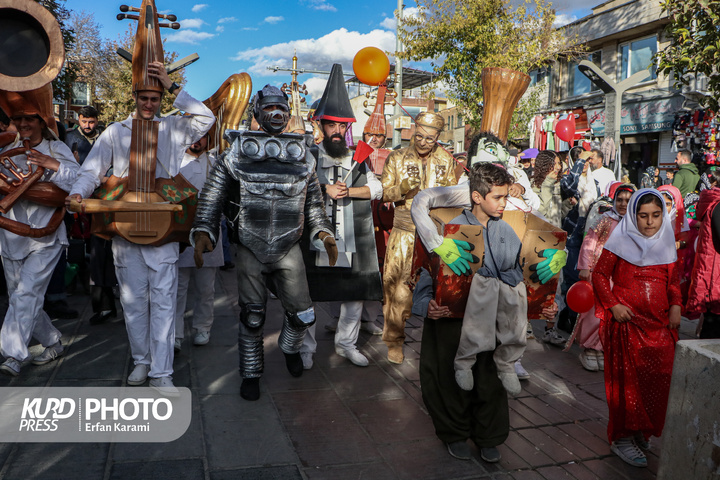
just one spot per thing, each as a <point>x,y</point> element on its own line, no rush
<point>82,139</point>
<point>348,188</point>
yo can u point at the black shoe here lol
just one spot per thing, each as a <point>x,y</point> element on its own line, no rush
<point>294,364</point>
<point>59,309</point>
<point>250,389</point>
<point>459,450</point>
<point>228,266</point>
<point>101,317</point>
<point>490,454</point>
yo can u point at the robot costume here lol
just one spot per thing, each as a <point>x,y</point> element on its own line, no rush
<point>272,179</point>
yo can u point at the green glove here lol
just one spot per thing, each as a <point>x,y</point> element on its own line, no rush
<point>554,261</point>
<point>456,254</point>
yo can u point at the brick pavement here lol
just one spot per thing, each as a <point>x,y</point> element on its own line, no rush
<point>337,421</point>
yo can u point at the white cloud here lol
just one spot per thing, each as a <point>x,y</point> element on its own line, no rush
<point>563,19</point>
<point>192,23</point>
<point>227,20</point>
<point>250,28</point>
<point>315,87</point>
<point>189,36</point>
<point>320,5</point>
<point>338,46</point>
<point>273,20</point>
<point>390,22</point>
<point>199,7</point>
<point>219,29</point>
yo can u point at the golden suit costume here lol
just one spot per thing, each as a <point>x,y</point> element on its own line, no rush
<point>401,164</point>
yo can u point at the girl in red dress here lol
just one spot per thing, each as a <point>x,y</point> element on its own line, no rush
<point>640,314</point>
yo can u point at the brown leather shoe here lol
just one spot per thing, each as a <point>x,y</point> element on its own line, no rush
<point>395,355</point>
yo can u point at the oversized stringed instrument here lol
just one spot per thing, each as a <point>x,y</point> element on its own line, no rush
<point>32,55</point>
<point>152,210</point>
<point>294,90</point>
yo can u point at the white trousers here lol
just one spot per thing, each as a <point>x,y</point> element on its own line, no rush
<point>495,319</point>
<point>147,294</point>
<point>27,280</point>
<point>201,282</point>
<point>348,328</point>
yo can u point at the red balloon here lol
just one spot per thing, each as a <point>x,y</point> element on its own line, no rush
<point>565,131</point>
<point>580,297</point>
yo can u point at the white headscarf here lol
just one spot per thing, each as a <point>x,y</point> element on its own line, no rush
<point>628,243</point>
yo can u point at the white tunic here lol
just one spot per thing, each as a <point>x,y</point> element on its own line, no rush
<point>195,170</point>
<point>175,135</point>
<point>16,247</point>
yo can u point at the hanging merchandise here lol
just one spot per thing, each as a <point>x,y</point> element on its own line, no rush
<point>697,131</point>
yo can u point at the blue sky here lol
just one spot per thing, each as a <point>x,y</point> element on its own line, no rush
<point>233,36</point>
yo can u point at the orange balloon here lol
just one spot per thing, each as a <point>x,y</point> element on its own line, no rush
<point>371,66</point>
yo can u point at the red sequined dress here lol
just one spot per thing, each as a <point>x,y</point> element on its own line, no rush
<point>638,353</point>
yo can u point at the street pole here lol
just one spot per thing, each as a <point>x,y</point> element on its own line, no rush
<point>613,99</point>
<point>397,113</point>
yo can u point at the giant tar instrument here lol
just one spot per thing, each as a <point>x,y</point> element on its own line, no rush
<point>31,58</point>
<point>139,207</point>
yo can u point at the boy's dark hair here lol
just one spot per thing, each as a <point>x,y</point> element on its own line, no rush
<point>472,149</point>
<point>484,176</point>
<point>88,112</point>
<point>650,198</point>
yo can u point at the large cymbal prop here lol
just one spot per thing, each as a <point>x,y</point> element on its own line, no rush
<point>31,46</point>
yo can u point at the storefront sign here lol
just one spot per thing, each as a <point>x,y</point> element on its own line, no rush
<point>639,117</point>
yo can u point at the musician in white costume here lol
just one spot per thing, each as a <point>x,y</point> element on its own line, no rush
<point>29,262</point>
<point>196,164</point>
<point>147,275</point>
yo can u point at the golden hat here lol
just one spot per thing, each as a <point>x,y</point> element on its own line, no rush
<point>430,120</point>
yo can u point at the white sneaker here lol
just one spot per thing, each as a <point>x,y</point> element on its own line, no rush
<point>332,326</point>
<point>371,328</point>
<point>600,360</point>
<point>201,338</point>
<point>552,337</point>
<point>529,332</point>
<point>307,359</point>
<point>354,356</point>
<point>11,367</point>
<point>139,374</point>
<point>511,383</point>
<point>589,360</point>
<point>626,449</point>
<point>164,386</point>
<point>520,371</point>
<point>49,354</point>
<point>178,345</point>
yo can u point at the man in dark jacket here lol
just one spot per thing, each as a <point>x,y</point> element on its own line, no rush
<point>81,139</point>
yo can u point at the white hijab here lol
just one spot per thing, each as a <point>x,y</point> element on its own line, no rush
<point>628,243</point>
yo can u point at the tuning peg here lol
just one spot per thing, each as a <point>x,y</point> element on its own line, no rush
<point>123,16</point>
<point>392,103</point>
<point>174,25</point>
<point>303,100</point>
<point>170,17</point>
<point>365,103</point>
<point>284,86</point>
<point>126,8</point>
<point>367,94</point>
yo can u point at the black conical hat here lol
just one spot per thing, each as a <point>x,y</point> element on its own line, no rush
<point>335,103</point>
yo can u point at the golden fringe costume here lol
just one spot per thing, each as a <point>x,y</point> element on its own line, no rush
<point>439,171</point>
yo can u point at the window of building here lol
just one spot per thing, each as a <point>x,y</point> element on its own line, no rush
<point>636,56</point>
<point>80,94</point>
<point>539,76</point>
<point>579,84</point>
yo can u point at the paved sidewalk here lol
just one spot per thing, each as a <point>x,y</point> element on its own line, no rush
<point>337,421</point>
